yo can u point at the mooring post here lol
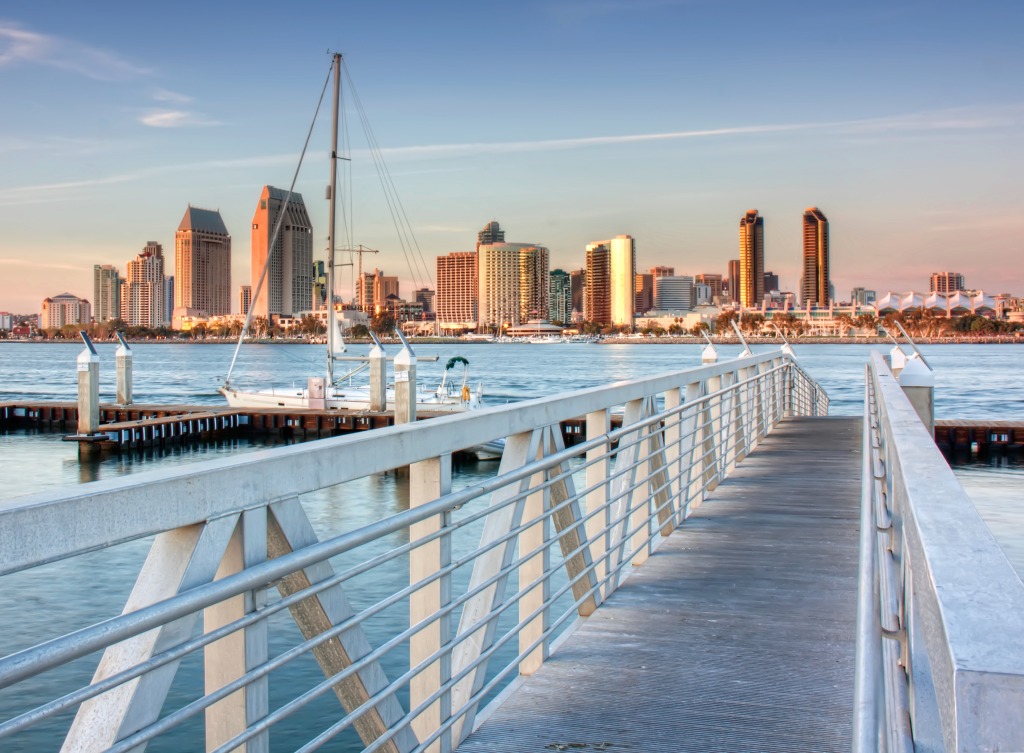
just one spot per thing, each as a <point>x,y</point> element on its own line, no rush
<point>124,371</point>
<point>405,383</point>
<point>378,376</point>
<point>88,387</point>
<point>918,383</point>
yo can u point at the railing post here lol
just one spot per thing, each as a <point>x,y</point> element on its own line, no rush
<point>428,480</point>
<point>714,452</point>
<point>693,451</point>
<point>405,386</point>
<point>674,472</point>
<point>598,531</point>
<point>245,649</point>
<point>535,535</point>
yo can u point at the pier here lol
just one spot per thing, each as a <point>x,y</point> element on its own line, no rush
<point>727,568</point>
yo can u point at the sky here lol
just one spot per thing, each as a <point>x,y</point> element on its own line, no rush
<point>567,121</point>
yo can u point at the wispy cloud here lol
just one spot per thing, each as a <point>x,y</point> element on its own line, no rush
<point>21,46</point>
<point>176,119</point>
<point>165,95</point>
<point>36,264</point>
<point>961,119</point>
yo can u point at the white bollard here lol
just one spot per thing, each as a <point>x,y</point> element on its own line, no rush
<point>378,378</point>
<point>123,357</point>
<point>405,386</point>
<point>918,383</point>
<point>88,388</point>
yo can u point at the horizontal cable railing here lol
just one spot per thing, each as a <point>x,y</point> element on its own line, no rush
<point>245,620</point>
<point>940,609</point>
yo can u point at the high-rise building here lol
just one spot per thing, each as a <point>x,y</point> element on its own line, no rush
<point>560,297</point>
<point>373,289</point>
<point>578,287</point>
<point>862,297</point>
<point>714,283</point>
<point>106,292</point>
<point>288,287</point>
<point>490,235</point>
<point>168,298</point>
<point>319,285</point>
<point>663,271</point>
<point>244,299</point>
<point>644,291</point>
<point>613,280</point>
<point>142,292</point>
<point>457,290</point>
<point>946,282</point>
<point>674,293</point>
<point>64,309</point>
<point>815,286</point>
<point>771,282</point>
<point>202,264</point>
<point>733,278</point>
<point>425,298</point>
<point>751,278</point>
<point>513,283</point>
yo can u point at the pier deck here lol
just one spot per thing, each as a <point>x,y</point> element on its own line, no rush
<point>736,635</point>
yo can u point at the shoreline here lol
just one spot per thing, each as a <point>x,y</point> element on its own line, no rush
<point>684,340</point>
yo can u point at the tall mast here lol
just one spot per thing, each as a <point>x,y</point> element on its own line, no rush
<point>331,325</point>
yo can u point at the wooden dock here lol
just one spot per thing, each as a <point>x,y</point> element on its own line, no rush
<point>980,436</point>
<point>736,635</point>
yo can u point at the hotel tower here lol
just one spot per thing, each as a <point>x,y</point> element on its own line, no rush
<point>815,282</point>
<point>202,265</point>
<point>288,287</point>
<point>751,288</point>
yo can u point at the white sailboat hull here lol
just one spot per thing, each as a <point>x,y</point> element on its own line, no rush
<point>349,398</point>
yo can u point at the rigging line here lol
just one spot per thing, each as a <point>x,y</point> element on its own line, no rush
<point>399,217</point>
<point>277,230</point>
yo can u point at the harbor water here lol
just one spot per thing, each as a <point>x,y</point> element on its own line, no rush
<point>972,381</point>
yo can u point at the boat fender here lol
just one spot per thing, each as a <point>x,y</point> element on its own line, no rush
<point>465,393</point>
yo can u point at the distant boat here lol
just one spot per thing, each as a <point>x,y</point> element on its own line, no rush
<point>338,393</point>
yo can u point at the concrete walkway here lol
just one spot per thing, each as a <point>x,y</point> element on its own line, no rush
<point>736,635</point>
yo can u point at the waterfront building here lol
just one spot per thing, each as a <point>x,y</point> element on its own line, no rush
<point>142,292</point>
<point>202,263</point>
<point>815,285</point>
<point>560,296</point>
<point>288,287</point>
<point>702,294</point>
<point>168,314</point>
<point>425,298</point>
<point>513,280</point>
<point>373,289</point>
<point>714,283</point>
<point>6,320</point>
<point>490,235</point>
<point>644,292</point>
<point>612,282</point>
<point>577,288</point>
<point>319,285</point>
<point>64,309</point>
<point>674,293</point>
<point>663,271</point>
<point>862,297</point>
<point>771,282</point>
<point>458,292</point>
<point>946,282</point>
<point>106,292</point>
<point>244,299</point>
<point>733,280</point>
<point>751,267</point>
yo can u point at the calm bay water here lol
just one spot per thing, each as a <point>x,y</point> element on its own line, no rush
<point>973,381</point>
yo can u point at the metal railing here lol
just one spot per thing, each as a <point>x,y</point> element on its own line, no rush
<point>416,620</point>
<point>940,609</point>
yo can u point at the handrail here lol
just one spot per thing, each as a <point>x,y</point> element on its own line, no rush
<point>938,657</point>
<point>562,527</point>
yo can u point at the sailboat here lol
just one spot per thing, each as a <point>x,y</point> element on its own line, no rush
<point>330,393</point>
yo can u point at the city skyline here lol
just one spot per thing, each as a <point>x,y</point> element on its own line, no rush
<point>910,146</point>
